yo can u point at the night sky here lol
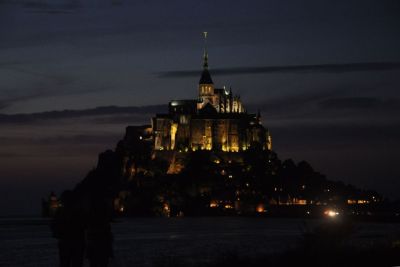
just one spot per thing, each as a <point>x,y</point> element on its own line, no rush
<point>326,76</point>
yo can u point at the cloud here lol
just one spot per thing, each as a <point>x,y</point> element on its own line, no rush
<point>75,139</point>
<point>4,103</point>
<point>59,144</point>
<point>312,105</point>
<point>321,68</point>
<point>60,6</point>
<point>350,133</point>
<point>30,85</point>
<point>346,101</point>
<point>66,114</point>
<point>359,103</point>
<point>124,119</point>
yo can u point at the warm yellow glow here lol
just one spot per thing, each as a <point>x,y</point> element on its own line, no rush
<point>228,206</point>
<point>207,140</point>
<point>359,201</point>
<point>269,143</point>
<point>166,207</point>
<point>260,208</point>
<point>214,204</point>
<point>300,202</point>
<point>234,149</point>
<point>331,213</point>
<point>174,129</point>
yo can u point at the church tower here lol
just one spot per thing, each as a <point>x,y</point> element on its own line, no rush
<point>206,85</point>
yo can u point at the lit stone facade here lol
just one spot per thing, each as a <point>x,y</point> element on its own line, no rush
<point>216,120</point>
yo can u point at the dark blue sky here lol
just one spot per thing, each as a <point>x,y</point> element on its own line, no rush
<point>341,113</point>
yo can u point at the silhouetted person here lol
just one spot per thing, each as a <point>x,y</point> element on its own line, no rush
<point>99,237</point>
<point>69,228</point>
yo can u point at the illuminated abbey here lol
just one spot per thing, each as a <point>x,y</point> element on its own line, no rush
<point>216,120</point>
<point>209,156</point>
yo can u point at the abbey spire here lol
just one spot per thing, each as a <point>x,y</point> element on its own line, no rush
<point>216,120</point>
<point>205,75</point>
<point>205,54</point>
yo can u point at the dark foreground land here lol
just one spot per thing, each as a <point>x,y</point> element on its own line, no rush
<point>219,241</point>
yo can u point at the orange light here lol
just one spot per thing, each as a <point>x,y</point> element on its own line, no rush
<point>260,208</point>
<point>331,213</point>
<point>166,207</point>
<point>214,204</point>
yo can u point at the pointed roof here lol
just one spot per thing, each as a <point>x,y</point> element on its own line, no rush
<point>205,75</point>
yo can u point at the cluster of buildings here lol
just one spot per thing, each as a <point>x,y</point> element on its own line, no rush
<point>215,120</point>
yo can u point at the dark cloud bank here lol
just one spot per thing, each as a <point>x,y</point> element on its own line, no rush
<point>329,120</point>
<point>66,114</point>
<point>331,128</point>
<point>321,68</point>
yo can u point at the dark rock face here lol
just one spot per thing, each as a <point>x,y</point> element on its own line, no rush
<point>139,180</point>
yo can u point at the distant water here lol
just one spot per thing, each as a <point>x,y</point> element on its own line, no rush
<point>145,241</point>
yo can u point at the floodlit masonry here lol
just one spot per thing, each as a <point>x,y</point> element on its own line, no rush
<point>217,120</point>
